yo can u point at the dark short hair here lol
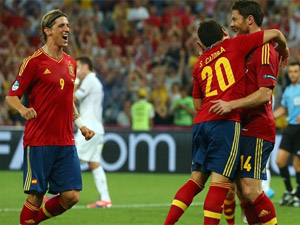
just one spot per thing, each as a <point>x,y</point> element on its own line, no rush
<point>249,7</point>
<point>209,32</point>
<point>49,18</point>
<point>87,61</point>
<point>294,63</point>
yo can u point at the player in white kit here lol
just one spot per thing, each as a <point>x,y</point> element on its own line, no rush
<point>89,94</point>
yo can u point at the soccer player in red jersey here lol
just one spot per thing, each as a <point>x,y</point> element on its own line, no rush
<point>258,126</point>
<point>50,157</point>
<point>218,74</point>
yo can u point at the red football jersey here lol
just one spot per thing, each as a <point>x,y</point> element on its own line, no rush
<point>49,84</point>
<point>219,73</point>
<point>262,69</point>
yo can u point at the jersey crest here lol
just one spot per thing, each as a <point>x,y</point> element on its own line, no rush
<point>71,69</point>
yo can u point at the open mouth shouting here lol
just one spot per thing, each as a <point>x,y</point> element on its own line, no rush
<point>65,37</point>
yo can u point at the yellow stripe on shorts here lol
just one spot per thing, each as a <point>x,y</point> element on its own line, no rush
<point>28,174</point>
<point>233,152</point>
<point>258,158</point>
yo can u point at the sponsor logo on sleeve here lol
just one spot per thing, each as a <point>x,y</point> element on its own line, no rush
<point>269,76</point>
<point>15,86</point>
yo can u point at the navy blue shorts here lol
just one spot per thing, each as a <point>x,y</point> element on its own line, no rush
<point>53,168</point>
<point>216,147</point>
<point>254,155</point>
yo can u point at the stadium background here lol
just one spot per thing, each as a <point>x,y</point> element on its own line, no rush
<point>133,44</point>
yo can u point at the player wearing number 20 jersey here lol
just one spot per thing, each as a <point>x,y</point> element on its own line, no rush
<point>219,74</point>
<point>47,80</point>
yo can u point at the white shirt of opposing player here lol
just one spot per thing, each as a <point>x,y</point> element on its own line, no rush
<point>90,95</point>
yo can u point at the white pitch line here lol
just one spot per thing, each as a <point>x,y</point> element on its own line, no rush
<point>146,205</point>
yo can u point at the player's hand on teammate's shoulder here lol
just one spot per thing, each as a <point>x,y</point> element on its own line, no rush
<point>87,133</point>
<point>283,56</point>
<point>28,113</point>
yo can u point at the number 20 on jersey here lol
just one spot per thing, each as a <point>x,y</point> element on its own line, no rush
<point>207,73</point>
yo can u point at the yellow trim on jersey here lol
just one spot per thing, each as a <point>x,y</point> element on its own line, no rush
<point>29,174</point>
<point>258,157</point>
<point>46,212</point>
<point>179,204</point>
<point>265,54</point>
<point>233,152</point>
<point>211,214</point>
<point>25,61</point>
<point>271,222</point>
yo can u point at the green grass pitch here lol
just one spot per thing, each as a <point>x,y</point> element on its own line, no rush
<point>138,199</point>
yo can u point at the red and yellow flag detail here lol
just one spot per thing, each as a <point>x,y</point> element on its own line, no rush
<point>34,181</point>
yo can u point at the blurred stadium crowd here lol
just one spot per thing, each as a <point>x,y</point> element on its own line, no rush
<point>134,44</point>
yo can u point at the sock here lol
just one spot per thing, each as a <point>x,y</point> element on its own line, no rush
<point>250,213</point>
<point>182,200</point>
<point>101,183</point>
<point>214,201</point>
<point>264,209</point>
<point>29,213</point>
<point>284,173</point>
<point>298,184</point>
<point>53,207</point>
<point>229,209</point>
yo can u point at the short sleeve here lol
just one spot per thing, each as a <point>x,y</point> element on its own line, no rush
<point>246,43</point>
<point>23,79</point>
<point>267,65</point>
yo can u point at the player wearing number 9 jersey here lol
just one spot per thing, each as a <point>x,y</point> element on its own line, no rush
<point>50,157</point>
<point>51,81</point>
<point>218,74</point>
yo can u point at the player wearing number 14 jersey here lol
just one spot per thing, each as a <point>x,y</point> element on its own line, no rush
<point>218,74</point>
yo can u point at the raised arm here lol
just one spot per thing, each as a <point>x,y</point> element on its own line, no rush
<point>275,35</point>
<point>282,48</point>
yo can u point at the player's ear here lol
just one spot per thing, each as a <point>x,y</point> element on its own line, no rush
<point>47,31</point>
<point>250,20</point>
<point>225,34</point>
<point>202,47</point>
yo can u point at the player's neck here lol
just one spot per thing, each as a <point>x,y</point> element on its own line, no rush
<point>254,29</point>
<point>53,51</point>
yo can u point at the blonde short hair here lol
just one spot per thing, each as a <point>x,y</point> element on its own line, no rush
<point>49,18</point>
